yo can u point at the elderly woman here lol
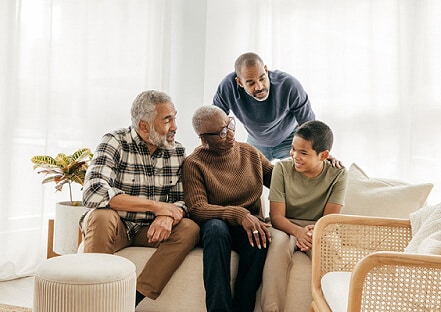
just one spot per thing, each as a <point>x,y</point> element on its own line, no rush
<point>223,181</point>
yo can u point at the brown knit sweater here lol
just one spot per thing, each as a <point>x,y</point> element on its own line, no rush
<point>225,185</point>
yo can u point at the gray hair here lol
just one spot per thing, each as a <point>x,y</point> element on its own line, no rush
<point>144,106</point>
<point>202,115</point>
<point>247,60</point>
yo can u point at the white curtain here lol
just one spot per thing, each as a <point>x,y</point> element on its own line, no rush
<point>70,69</point>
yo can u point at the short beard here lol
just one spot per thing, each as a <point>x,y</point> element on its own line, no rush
<point>161,140</point>
<point>265,98</point>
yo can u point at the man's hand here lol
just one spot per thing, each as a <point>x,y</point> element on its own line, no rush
<point>160,229</point>
<point>167,209</point>
<point>257,231</point>
<point>335,162</point>
<point>304,240</point>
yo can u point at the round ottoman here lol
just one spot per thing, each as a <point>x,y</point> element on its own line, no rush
<point>86,282</point>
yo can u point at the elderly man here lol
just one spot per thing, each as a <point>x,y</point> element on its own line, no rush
<point>223,181</point>
<point>134,183</point>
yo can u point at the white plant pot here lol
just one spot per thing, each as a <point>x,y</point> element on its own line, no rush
<point>66,227</point>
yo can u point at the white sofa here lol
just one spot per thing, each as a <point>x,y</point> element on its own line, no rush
<point>185,291</point>
<point>365,196</point>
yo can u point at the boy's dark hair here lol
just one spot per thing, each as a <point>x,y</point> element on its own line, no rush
<point>318,133</point>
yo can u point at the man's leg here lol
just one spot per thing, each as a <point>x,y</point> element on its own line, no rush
<point>266,151</point>
<point>167,258</point>
<point>216,243</point>
<point>249,273</point>
<point>282,150</point>
<point>104,232</point>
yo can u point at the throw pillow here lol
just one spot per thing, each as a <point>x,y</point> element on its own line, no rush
<point>382,197</point>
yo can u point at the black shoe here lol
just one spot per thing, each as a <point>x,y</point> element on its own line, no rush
<point>139,298</point>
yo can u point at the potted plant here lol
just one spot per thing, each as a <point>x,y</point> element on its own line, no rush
<point>61,170</point>
<point>64,169</point>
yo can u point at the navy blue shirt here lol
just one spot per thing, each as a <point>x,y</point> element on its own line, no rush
<point>271,121</point>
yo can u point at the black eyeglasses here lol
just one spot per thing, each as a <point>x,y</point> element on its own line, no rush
<point>224,131</point>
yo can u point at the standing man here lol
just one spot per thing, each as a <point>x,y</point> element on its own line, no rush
<point>134,182</point>
<point>269,104</point>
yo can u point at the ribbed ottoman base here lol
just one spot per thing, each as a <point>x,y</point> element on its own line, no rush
<point>85,283</point>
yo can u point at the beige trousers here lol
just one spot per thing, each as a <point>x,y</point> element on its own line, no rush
<point>106,233</point>
<point>276,273</point>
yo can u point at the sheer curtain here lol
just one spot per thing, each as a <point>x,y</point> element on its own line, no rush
<point>70,70</point>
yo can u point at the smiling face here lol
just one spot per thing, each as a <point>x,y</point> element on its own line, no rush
<point>254,80</point>
<point>305,159</point>
<point>212,128</point>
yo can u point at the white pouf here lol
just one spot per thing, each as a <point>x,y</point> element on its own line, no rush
<point>88,282</point>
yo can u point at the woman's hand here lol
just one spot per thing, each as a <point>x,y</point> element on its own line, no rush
<point>257,231</point>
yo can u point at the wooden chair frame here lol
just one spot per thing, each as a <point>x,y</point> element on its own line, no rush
<point>384,278</point>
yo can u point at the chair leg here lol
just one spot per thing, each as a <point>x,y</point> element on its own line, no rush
<point>50,240</point>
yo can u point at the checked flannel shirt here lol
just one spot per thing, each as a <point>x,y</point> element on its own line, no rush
<point>122,164</point>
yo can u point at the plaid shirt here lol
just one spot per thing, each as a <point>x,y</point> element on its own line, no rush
<point>122,164</point>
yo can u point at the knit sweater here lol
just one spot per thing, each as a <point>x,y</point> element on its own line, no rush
<point>267,122</point>
<point>225,185</point>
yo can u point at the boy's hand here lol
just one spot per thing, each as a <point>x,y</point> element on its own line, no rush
<point>304,240</point>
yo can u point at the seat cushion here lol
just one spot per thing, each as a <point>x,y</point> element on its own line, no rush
<point>86,268</point>
<point>335,288</point>
<point>185,291</point>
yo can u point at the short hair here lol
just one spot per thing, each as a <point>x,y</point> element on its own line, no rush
<point>202,114</point>
<point>144,106</point>
<point>318,133</point>
<point>247,59</point>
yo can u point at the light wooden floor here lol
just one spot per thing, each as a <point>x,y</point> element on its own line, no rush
<point>17,292</point>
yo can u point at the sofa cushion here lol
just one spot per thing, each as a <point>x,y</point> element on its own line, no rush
<point>382,197</point>
<point>186,286</point>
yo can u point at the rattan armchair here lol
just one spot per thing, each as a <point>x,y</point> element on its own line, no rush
<point>383,277</point>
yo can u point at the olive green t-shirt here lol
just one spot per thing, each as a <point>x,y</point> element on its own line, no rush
<point>306,198</point>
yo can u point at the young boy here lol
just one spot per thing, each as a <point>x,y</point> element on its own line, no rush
<point>304,187</point>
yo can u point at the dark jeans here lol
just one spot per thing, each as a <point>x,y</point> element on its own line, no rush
<point>218,239</point>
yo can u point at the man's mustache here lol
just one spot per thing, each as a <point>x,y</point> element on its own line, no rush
<point>258,91</point>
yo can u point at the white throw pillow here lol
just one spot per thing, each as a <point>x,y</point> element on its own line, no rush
<point>382,197</point>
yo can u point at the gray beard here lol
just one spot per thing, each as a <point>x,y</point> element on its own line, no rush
<point>160,140</point>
